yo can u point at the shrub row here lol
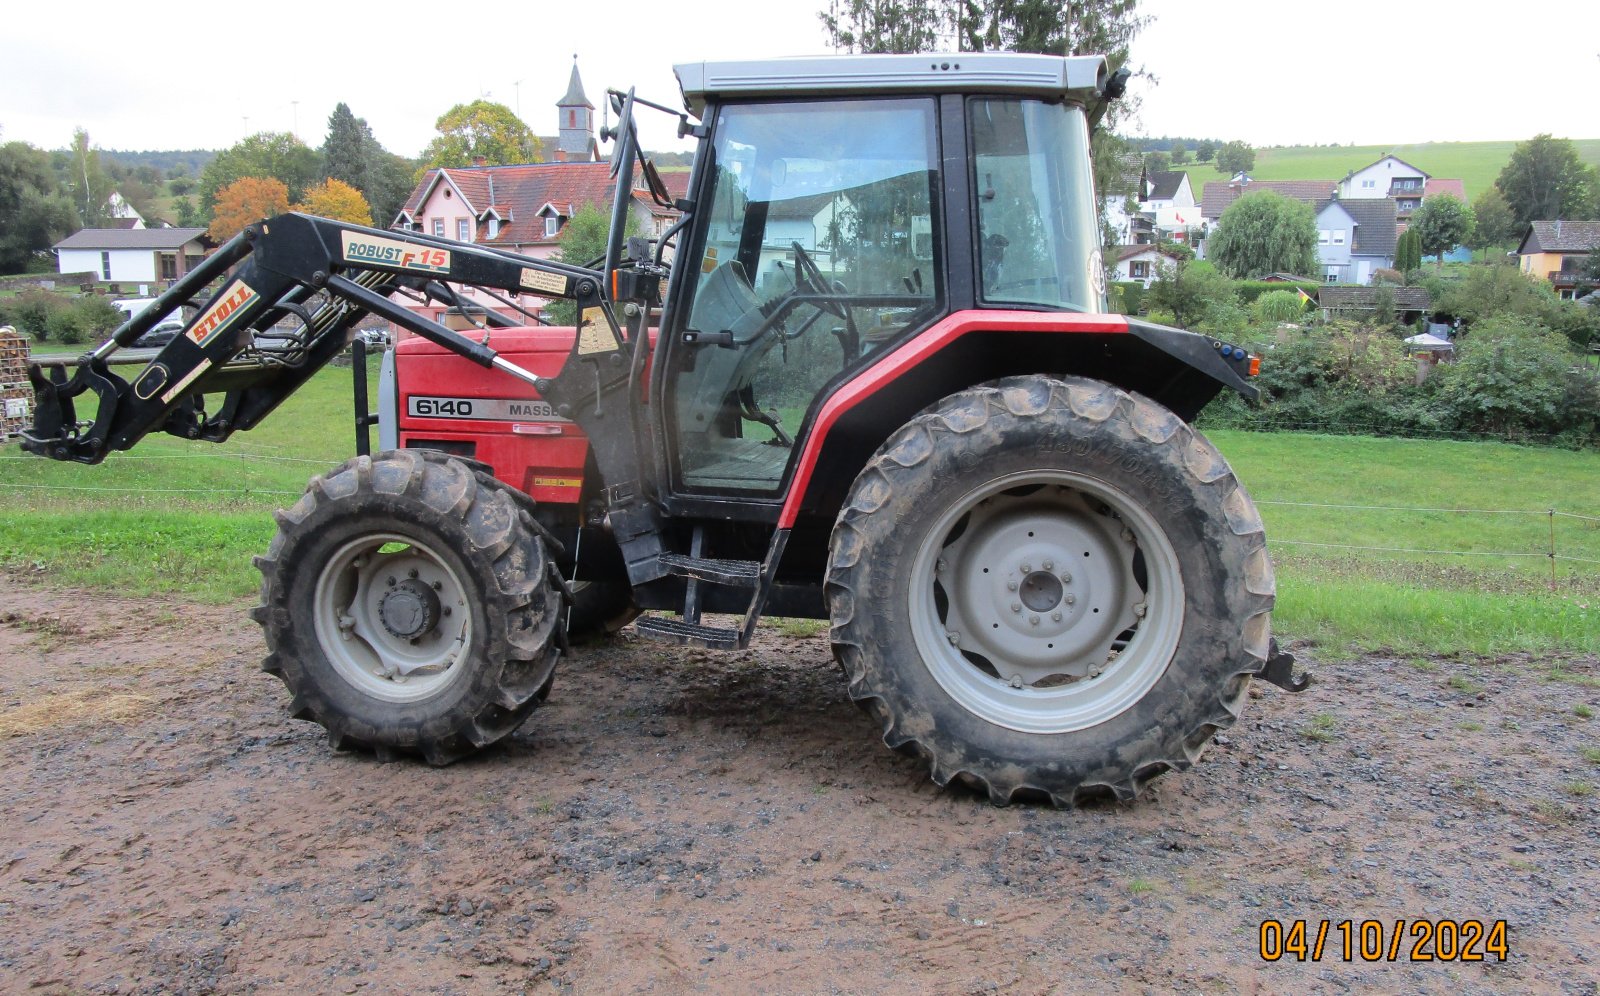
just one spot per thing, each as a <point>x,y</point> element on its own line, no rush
<point>46,315</point>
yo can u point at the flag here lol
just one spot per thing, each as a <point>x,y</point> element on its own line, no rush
<point>1304,297</point>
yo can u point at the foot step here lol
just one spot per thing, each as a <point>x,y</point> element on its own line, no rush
<point>735,573</point>
<point>689,634</point>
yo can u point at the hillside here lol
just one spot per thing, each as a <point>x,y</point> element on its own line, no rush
<point>1474,163</point>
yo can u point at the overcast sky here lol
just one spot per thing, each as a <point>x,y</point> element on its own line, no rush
<point>1270,72</point>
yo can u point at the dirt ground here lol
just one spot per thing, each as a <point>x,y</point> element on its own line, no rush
<point>676,820</point>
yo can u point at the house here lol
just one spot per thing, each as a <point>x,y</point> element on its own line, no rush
<point>1558,251</point>
<point>1390,176</point>
<point>1142,263</point>
<point>1355,238</point>
<point>1169,201</point>
<point>524,208</point>
<point>132,255</point>
<point>1406,303</point>
<point>1120,197</point>
<point>1217,196</point>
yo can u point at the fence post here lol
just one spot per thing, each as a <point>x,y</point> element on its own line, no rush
<point>1552,549</point>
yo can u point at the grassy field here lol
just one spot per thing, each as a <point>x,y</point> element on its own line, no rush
<point>185,518</point>
<point>1476,164</point>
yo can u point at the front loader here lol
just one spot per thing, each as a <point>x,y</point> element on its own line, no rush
<point>869,377</point>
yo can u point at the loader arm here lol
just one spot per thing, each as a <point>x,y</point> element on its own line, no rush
<point>320,277</point>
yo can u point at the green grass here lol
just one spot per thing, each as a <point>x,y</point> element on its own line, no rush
<point>1476,164</point>
<point>172,516</point>
<point>146,533</point>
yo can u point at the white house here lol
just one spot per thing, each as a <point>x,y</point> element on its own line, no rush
<point>132,255</point>
<point>1141,263</point>
<point>1388,177</point>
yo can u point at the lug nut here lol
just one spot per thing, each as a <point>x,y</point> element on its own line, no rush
<point>1066,579</point>
<point>1016,681</point>
<point>1140,609</point>
<point>1055,617</point>
<point>1127,535</point>
<point>438,586</point>
<point>1027,568</point>
<point>1011,586</point>
<point>941,566</point>
<point>412,574</point>
<point>1033,620</point>
<point>1016,606</point>
<point>1069,599</point>
<point>1049,565</point>
<point>391,581</point>
<point>955,638</point>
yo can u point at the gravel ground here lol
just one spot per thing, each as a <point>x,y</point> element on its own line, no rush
<point>681,820</point>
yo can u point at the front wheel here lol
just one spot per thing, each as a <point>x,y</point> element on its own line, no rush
<point>408,606</point>
<point>1049,587</point>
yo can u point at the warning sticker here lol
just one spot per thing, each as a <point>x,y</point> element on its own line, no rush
<point>594,333</point>
<point>549,283</point>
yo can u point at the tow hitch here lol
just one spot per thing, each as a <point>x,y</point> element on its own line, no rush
<point>1279,670</point>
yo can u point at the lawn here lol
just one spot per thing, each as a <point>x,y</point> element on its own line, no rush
<point>179,517</point>
<point>1476,164</point>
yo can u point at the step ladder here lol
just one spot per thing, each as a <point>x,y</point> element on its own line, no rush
<point>754,575</point>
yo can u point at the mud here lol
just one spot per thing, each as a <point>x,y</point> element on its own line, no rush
<point>680,820</point>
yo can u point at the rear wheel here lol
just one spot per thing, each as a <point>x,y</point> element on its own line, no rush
<point>1049,588</point>
<point>408,607</point>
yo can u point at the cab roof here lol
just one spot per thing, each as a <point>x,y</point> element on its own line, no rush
<point>1079,76</point>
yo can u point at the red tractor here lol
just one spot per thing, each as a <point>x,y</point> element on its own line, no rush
<point>883,389</point>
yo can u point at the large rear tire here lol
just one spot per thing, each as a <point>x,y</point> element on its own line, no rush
<point>408,606</point>
<point>1049,588</point>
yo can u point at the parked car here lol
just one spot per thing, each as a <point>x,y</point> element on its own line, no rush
<point>160,335</point>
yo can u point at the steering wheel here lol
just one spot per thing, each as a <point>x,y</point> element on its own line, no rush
<point>808,279</point>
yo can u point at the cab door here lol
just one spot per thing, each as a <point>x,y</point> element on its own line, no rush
<point>818,245</point>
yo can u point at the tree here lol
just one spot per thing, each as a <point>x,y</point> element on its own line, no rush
<point>87,183</point>
<point>1408,251</point>
<point>337,200</point>
<point>34,214</point>
<point>1192,293</point>
<point>1156,162</point>
<point>189,213</point>
<point>278,155</point>
<point>875,26</point>
<point>1204,150</point>
<point>1496,222</point>
<point>1264,232</point>
<point>1180,153</point>
<point>1441,224</point>
<point>481,128</point>
<point>351,154</point>
<point>1235,157</point>
<point>583,240</point>
<point>1545,180</point>
<point>246,200</point>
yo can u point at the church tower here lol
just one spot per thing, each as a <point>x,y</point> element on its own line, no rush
<point>576,141</point>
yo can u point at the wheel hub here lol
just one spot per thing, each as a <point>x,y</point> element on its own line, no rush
<point>409,609</point>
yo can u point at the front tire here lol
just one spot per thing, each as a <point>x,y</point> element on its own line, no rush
<point>408,607</point>
<point>1049,588</point>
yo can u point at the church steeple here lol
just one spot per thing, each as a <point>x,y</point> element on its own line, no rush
<point>576,137</point>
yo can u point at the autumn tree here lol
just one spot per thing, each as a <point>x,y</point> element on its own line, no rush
<point>481,128</point>
<point>246,200</point>
<point>1264,232</point>
<point>1545,180</point>
<point>276,155</point>
<point>1441,224</point>
<point>337,200</point>
<point>1235,157</point>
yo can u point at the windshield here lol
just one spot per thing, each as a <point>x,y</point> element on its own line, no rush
<point>1039,239</point>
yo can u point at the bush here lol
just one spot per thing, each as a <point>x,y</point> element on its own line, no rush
<point>1131,294</point>
<point>67,325</point>
<point>30,311</point>
<point>1514,378</point>
<point>1249,290</point>
<point>98,314</point>
<point>1278,306</point>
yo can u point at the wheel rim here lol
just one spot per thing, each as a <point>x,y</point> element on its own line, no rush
<point>392,617</point>
<point>1046,602</point>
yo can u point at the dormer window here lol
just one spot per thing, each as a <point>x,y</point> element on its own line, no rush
<point>494,228</point>
<point>552,225</point>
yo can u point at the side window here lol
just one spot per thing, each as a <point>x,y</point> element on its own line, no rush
<point>819,247</point>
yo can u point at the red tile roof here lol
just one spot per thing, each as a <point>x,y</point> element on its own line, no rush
<point>1455,188</point>
<point>517,193</point>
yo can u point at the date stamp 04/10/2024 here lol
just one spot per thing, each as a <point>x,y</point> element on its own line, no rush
<point>1384,940</point>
